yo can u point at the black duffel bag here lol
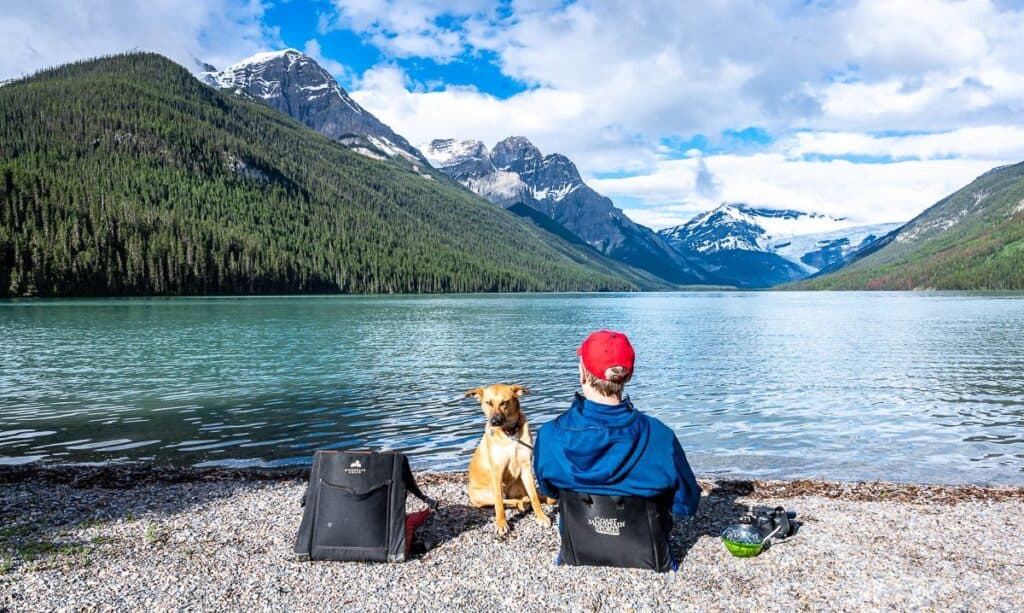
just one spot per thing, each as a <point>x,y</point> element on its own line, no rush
<point>355,507</point>
<point>619,531</point>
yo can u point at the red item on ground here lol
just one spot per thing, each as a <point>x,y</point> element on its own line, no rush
<point>413,521</point>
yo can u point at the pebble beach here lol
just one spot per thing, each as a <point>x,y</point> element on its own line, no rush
<point>131,539</point>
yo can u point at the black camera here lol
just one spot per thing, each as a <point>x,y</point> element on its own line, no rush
<point>777,523</point>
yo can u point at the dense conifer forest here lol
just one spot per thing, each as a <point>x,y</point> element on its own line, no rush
<point>127,176</point>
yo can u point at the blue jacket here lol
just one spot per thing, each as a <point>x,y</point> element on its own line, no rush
<point>613,450</point>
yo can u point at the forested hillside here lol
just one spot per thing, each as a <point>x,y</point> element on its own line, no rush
<point>127,176</point>
<point>971,240</point>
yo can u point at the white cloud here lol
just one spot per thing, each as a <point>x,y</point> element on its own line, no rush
<point>406,29</point>
<point>864,193</point>
<point>313,50</point>
<point>989,142</point>
<point>39,35</point>
<point>609,81</point>
<point>918,36</point>
<point>546,116</point>
<point>667,68</point>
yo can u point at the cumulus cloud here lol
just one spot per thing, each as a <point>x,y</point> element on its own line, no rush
<point>1004,142</point>
<point>408,29</point>
<point>935,85</point>
<point>665,67</point>
<point>610,81</point>
<point>313,50</point>
<point>39,35</point>
<point>864,193</point>
<point>705,185</point>
<point>549,117</point>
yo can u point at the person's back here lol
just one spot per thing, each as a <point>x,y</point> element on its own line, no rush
<point>602,445</point>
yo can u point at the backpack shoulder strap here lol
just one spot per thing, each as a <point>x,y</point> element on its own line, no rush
<point>413,487</point>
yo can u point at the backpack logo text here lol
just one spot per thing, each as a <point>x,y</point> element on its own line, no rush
<point>606,525</point>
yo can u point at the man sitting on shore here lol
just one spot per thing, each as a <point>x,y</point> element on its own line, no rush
<point>602,445</point>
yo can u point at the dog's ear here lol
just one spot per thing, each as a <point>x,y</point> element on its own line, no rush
<point>520,390</point>
<point>476,391</point>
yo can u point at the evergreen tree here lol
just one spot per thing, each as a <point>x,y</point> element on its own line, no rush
<point>127,176</point>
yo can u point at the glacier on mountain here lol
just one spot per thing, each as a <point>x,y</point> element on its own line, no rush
<point>808,241</point>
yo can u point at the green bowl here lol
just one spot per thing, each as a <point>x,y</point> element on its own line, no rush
<point>742,540</point>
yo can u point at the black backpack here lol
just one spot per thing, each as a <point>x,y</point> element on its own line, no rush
<point>619,531</point>
<point>355,507</point>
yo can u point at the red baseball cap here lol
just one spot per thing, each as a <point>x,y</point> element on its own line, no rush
<point>603,350</point>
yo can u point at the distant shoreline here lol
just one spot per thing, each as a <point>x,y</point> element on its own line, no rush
<point>667,290</point>
<point>781,289</point>
<point>127,476</point>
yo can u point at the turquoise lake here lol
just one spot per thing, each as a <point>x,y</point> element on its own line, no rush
<point>925,387</point>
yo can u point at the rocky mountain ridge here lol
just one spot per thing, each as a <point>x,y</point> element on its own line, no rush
<point>515,171</point>
<point>295,84</point>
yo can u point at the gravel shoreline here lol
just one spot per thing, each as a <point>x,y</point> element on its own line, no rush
<point>133,538</point>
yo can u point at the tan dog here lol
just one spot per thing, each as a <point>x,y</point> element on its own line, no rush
<point>501,471</point>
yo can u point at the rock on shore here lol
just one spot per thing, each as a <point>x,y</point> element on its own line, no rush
<point>207,542</point>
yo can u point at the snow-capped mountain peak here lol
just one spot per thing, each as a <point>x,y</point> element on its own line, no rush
<point>262,58</point>
<point>470,163</point>
<point>511,172</point>
<point>294,83</point>
<point>804,242</point>
<point>260,75</point>
<point>445,152</point>
<point>740,226</point>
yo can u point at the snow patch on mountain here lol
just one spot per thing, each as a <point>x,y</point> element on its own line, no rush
<point>927,226</point>
<point>499,185</point>
<point>444,152</point>
<point>370,153</point>
<point>262,58</point>
<point>555,193</point>
<point>389,147</point>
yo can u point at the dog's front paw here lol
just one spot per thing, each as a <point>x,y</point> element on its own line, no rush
<point>543,520</point>
<point>502,529</point>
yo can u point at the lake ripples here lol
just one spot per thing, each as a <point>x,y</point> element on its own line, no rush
<point>919,387</point>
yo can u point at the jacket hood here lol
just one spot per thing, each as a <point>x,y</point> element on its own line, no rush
<point>603,442</point>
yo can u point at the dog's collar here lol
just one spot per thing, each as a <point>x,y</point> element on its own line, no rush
<point>513,434</point>
<point>514,430</point>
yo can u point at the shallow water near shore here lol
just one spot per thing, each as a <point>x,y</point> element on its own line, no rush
<point>925,387</point>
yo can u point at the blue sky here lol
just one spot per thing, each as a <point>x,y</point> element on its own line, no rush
<point>869,110</point>
<point>299,21</point>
